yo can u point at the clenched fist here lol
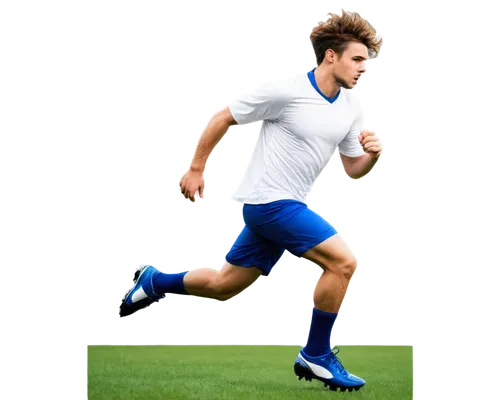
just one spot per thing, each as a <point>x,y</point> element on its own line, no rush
<point>371,143</point>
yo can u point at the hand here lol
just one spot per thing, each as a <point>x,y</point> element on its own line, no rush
<point>191,182</point>
<point>371,143</point>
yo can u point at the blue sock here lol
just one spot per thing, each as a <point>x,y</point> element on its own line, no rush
<point>169,283</point>
<point>318,343</point>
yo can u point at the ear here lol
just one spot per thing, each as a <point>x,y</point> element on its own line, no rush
<point>330,56</point>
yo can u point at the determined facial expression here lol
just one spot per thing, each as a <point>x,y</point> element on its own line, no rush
<point>349,67</point>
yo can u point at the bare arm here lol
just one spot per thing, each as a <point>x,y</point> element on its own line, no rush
<point>216,128</point>
<point>357,167</point>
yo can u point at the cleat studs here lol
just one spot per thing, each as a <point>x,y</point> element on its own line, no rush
<point>350,389</point>
<point>342,389</point>
<point>300,377</point>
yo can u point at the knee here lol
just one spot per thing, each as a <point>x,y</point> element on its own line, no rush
<point>345,267</point>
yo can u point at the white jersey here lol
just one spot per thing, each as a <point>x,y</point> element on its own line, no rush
<point>300,131</point>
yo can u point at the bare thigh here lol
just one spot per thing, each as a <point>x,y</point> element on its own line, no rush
<point>331,253</point>
<point>233,279</point>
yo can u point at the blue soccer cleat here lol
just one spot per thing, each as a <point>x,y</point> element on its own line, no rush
<point>142,293</point>
<point>327,369</point>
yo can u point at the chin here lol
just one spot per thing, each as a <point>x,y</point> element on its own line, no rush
<point>344,84</point>
<point>352,86</point>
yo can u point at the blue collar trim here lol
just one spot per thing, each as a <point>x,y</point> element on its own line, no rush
<point>312,79</point>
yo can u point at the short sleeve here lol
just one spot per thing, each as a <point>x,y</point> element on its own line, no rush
<point>266,102</point>
<point>350,145</point>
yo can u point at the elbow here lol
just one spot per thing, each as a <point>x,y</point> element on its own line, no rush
<point>352,177</point>
<point>351,166</point>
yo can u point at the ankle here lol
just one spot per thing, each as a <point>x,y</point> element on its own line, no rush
<point>169,283</point>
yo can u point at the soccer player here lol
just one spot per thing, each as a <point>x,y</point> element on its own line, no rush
<point>305,118</point>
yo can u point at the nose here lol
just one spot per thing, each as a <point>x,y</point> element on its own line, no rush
<point>362,67</point>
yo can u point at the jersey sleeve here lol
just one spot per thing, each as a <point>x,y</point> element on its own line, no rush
<point>350,145</point>
<point>266,102</point>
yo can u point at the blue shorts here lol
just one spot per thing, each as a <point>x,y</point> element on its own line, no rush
<point>273,228</point>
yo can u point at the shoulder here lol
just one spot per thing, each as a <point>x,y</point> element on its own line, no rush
<point>285,88</point>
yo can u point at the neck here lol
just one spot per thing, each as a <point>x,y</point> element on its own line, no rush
<point>325,81</point>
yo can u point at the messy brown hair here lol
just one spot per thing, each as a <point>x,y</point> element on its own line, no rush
<point>338,31</point>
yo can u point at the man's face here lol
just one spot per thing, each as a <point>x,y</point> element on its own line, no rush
<point>348,68</point>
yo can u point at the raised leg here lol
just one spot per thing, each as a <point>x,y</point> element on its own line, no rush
<point>220,285</point>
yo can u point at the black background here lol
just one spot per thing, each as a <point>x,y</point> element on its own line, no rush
<point>147,77</point>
